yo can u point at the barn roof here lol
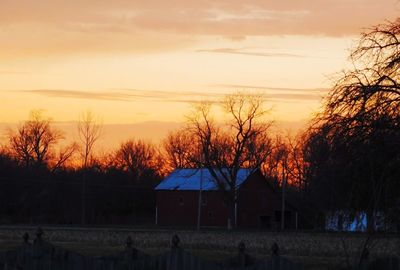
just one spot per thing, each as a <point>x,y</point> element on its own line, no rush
<point>190,179</point>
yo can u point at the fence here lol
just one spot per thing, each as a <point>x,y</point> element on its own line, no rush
<point>42,255</point>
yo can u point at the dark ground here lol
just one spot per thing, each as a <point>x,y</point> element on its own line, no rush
<point>313,250</point>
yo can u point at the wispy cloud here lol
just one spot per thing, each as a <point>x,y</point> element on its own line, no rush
<point>271,88</point>
<point>129,95</point>
<point>251,53</point>
<point>57,93</point>
<point>133,95</point>
<point>292,97</point>
<point>169,94</point>
<point>280,94</point>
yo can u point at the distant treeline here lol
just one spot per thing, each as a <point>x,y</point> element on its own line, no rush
<point>110,198</point>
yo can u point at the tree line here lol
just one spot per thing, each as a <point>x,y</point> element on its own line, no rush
<point>347,158</point>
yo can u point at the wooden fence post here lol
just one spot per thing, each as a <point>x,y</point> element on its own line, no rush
<point>37,250</point>
<point>25,252</point>
<point>175,241</point>
<point>25,237</point>
<point>174,260</point>
<point>39,234</point>
<point>130,253</point>
<point>363,263</point>
<point>242,255</point>
<point>275,256</point>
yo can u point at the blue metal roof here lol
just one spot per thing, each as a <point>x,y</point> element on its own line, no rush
<point>190,179</point>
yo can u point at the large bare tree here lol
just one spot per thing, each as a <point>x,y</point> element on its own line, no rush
<point>371,88</point>
<point>360,123</point>
<point>242,142</point>
<point>33,144</point>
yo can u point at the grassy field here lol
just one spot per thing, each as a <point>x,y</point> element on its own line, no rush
<point>313,250</point>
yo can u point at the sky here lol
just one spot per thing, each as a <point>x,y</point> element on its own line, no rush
<point>142,64</point>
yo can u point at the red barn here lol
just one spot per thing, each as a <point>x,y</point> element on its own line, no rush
<point>258,206</point>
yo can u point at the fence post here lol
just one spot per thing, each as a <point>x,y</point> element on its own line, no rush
<point>363,263</point>
<point>175,241</point>
<point>26,251</point>
<point>242,254</point>
<point>25,237</point>
<point>276,260</point>
<point>175,260</point>
<point>39,234</point>
<point>130,252</point>
<point>37,249</point>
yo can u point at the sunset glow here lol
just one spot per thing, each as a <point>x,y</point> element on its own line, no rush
<point>149,61</point>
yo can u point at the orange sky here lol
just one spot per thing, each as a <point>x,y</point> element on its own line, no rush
<point>133,61</point>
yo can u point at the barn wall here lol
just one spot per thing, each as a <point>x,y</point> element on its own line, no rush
<point>259,205</point>
<point>180,208</point>
<point>256,203</point>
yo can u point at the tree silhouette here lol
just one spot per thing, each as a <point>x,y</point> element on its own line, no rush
<point>89,129</point>
<point>181,148</point>
<point>138,158</point>
<point>359,128</point>
<point>89,132</point>
<point>33,144</point>
<point>371,89</point>
<point>224,149</point>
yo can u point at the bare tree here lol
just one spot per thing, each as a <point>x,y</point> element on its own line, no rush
<point>287,169</point>
<point>371,88</point>
<point>225,149</point>
<point>180,147</point>
<point>89,129</point>
<point>298,166</point>
<point>89,132</point>
<point>138,158</point>
<point>33,143</point>
<point>64,155</point>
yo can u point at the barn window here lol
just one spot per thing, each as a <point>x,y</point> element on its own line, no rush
<point>181,201</point>
<point>210,214</point>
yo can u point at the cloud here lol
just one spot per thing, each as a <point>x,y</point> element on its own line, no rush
<point>114,96</point>
<point>280,94</point>
<point>272,88</point>
<point>245,52</point>
<point>133,95</point>
<point>127,95</point>
<point>49,26</point>
<point>159,93</point>
<point>292,97</point>
<point>290,16</point>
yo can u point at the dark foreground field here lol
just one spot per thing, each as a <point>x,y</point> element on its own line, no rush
<point>313,250</point>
